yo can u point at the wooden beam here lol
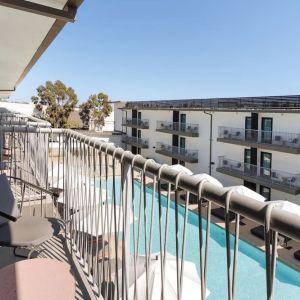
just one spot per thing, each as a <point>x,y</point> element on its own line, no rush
<point>39,9</point>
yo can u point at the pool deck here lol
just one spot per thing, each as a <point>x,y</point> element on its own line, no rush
<point>285,254</point>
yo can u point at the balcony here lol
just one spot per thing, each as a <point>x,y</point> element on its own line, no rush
<point>190,156</point>
<point>135,141</point>
<point>136,123</point>
<point>271,140</point>
<point>184,129</point>
<point>116,250</point>
<point>276,179</point>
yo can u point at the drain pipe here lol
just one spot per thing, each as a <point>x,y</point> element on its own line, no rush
<point>210,140</point>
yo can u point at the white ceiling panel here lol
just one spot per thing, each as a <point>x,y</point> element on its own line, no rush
<point>22,36</point>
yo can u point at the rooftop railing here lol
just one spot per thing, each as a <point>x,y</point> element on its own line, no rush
<point>139,123</point>
<point>177,152</point>
<point>132,140</point>
<point>179,128</point>
<point>275,178</point>
<point>123,226</point>
<point>243,103</point>
<point>274,138</point>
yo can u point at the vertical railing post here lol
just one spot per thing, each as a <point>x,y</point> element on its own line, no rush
<point>127,196</point>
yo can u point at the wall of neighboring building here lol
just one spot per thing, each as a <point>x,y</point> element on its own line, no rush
<point>281,161</point>
<point>118,116</point>
<point>24,108</point>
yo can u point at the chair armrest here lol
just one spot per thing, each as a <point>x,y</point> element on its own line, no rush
<point>8,217</point>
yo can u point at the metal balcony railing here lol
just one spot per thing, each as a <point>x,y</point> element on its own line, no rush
<point>179,128</point>
<point>17,119</point>
<point>139,123</point>
<point>121,227</point>
<point>275,178</point>
<point>132,140</point>
<point>177,152</point>
<point>269,138</point>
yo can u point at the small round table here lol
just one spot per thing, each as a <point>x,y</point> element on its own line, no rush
<point>36,279</point>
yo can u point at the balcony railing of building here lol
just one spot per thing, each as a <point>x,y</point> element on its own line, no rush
<point>185,129</point>
<point>137,123</point>
<point>121,226</point>
<point>135,141</point>
<point>273,140</point>
<point>280,180</point>
<point>17,119</point>
<point>183,154</point>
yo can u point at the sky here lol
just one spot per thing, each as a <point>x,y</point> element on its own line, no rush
<point>175,49</point>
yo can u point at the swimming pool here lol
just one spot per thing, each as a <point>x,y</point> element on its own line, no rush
<point>251,282</point>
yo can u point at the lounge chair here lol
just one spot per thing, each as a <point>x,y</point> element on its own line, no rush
<point>18,231</point>
<point>297,254</point>
<point>192,200</point>
<point>260,233</point>
<point>220,213</point>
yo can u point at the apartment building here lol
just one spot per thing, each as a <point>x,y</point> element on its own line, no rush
<point>241,141</point>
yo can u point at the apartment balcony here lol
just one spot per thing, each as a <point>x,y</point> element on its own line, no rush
<point>184,129</point>
<point>190,156</point>
<point>135,141</point>
<point>271,140</point>
<point>114,249</point>
<point>276,179</point>
<point>136,123</point>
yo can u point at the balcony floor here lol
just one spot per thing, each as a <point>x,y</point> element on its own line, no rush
<point>56,249</point>
<point>179,132</point>
<point>249,143</point>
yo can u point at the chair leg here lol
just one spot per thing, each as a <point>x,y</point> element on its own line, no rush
<point>31,251</point>
<point>19,255</point>
<point>28,256</point>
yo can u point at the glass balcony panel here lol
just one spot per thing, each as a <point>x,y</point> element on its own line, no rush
<point>188,128</point>
<point>140,123</point>
<point>283,139</point>
<point>132,140</point>
<point>188,154</point>
<point>273,176</point>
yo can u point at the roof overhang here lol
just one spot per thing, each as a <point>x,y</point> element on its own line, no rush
<point>27,28</point>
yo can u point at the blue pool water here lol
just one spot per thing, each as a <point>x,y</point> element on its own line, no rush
<point>251,282</point>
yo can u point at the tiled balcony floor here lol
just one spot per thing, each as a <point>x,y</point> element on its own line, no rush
<point>55,248</point>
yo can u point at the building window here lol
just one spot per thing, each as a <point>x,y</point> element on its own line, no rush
<point>250,185</point>
<point>266,130</point>
<point>266,192</point>
<point>265,163</point>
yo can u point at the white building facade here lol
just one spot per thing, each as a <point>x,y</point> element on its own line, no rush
<point>240,141</point>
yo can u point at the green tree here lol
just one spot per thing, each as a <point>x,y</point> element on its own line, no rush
<point>97,108</point>
<point>85,113</point>
<point>55,102</point>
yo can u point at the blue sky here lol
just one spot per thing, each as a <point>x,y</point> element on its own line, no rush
<point>175,49</point>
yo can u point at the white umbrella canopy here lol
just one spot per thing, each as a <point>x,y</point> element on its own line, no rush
<point>210,179</point>
<point>242,190</point>
<point>191,286</point>
<point>289,207</point>
<point>181,168</point>
<point>104,193</point>
<point>87,223</point>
